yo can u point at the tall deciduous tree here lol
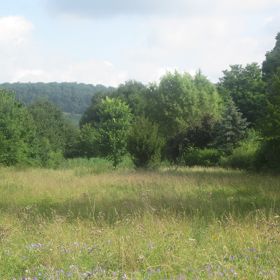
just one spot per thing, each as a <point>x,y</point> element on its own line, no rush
<point>272,62</point>
<point>180,103</point>
<point>113,127</point>
<point>269,155</point>
<point>17,132</point>
<point>176,100</point>
<point>133,93</point>
<point>55,136</point>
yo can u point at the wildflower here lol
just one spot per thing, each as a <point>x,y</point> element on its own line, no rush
<point>35,246</point>
<point>151,245</point>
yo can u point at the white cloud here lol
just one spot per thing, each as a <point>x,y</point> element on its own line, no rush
<point>92,71</point>
<point>14,30</point>
<point>206,35</point>
<point>89,71</point>
<point>15,44</point>
<point>22,61</point>
<point>207,43</point>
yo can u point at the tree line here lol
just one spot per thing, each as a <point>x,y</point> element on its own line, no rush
<point>183,119</point>
<point>70,98</point>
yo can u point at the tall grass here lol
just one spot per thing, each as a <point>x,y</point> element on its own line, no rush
<point>185,223</point>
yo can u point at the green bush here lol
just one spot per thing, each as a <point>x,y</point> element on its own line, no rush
<point>268,155</point>
<point>203,157</point>
<point>145,143</point>
<point>244,156</point>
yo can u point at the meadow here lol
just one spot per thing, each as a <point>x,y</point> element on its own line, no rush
<point>78,222</point>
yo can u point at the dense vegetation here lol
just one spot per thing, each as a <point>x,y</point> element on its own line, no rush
<point>70,98</point>
<point>184,120</point>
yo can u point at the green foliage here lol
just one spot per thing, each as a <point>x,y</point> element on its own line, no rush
<point>210,102</point>
<point>246,88</point>
<point>134,94</point>
<point>174,107</point>
<point>203,134</point>
<point>71,98</point>
<point>50,123</point>
<point>113,126</point>
<point>179,104</point>
<point>55,136</point>
<point>271,122</point>
<point>145,143</point>
<point>188,114</point>
<point>88,142</point>
<point>17,132</point>
<point>91,115</point>
<point>244,156</point>
<point>202,157</point>
<point>269,155</point>
<point>182,101</point>
<point>272,62</point>
<point>231,129</point>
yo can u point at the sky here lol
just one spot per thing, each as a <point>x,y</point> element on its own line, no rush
<point>111,41</point>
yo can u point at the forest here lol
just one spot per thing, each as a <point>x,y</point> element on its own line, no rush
<point>182,120</point>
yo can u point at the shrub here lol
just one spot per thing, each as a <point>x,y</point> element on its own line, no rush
<point>268,155</point>
<point>203,157</point>
<point>144,143</point>
<point>244,156</point>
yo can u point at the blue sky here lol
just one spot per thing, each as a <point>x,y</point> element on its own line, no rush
<point>112,41</point>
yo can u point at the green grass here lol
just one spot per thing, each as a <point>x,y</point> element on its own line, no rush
<point>186,223</point>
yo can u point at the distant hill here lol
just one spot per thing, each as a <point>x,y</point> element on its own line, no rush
<point>71,98</point>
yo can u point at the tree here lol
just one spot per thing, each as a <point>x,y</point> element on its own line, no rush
<point>271,125</point>
<point>202,135</point>
<point>134,94</point>
<point>210,103</point>
<point>113,127</point>
<point>17,132</point>
<point>272,62</point>
<point>246,88</point>
<point>231,129</point>
<point>269,154</point>
<point>145,143</point>
<point>180,102</point>
<point>88,142</point>
<point>176,100</point>
<point>91,113</point>
<point>72,98</point>
<point>55,135</point>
